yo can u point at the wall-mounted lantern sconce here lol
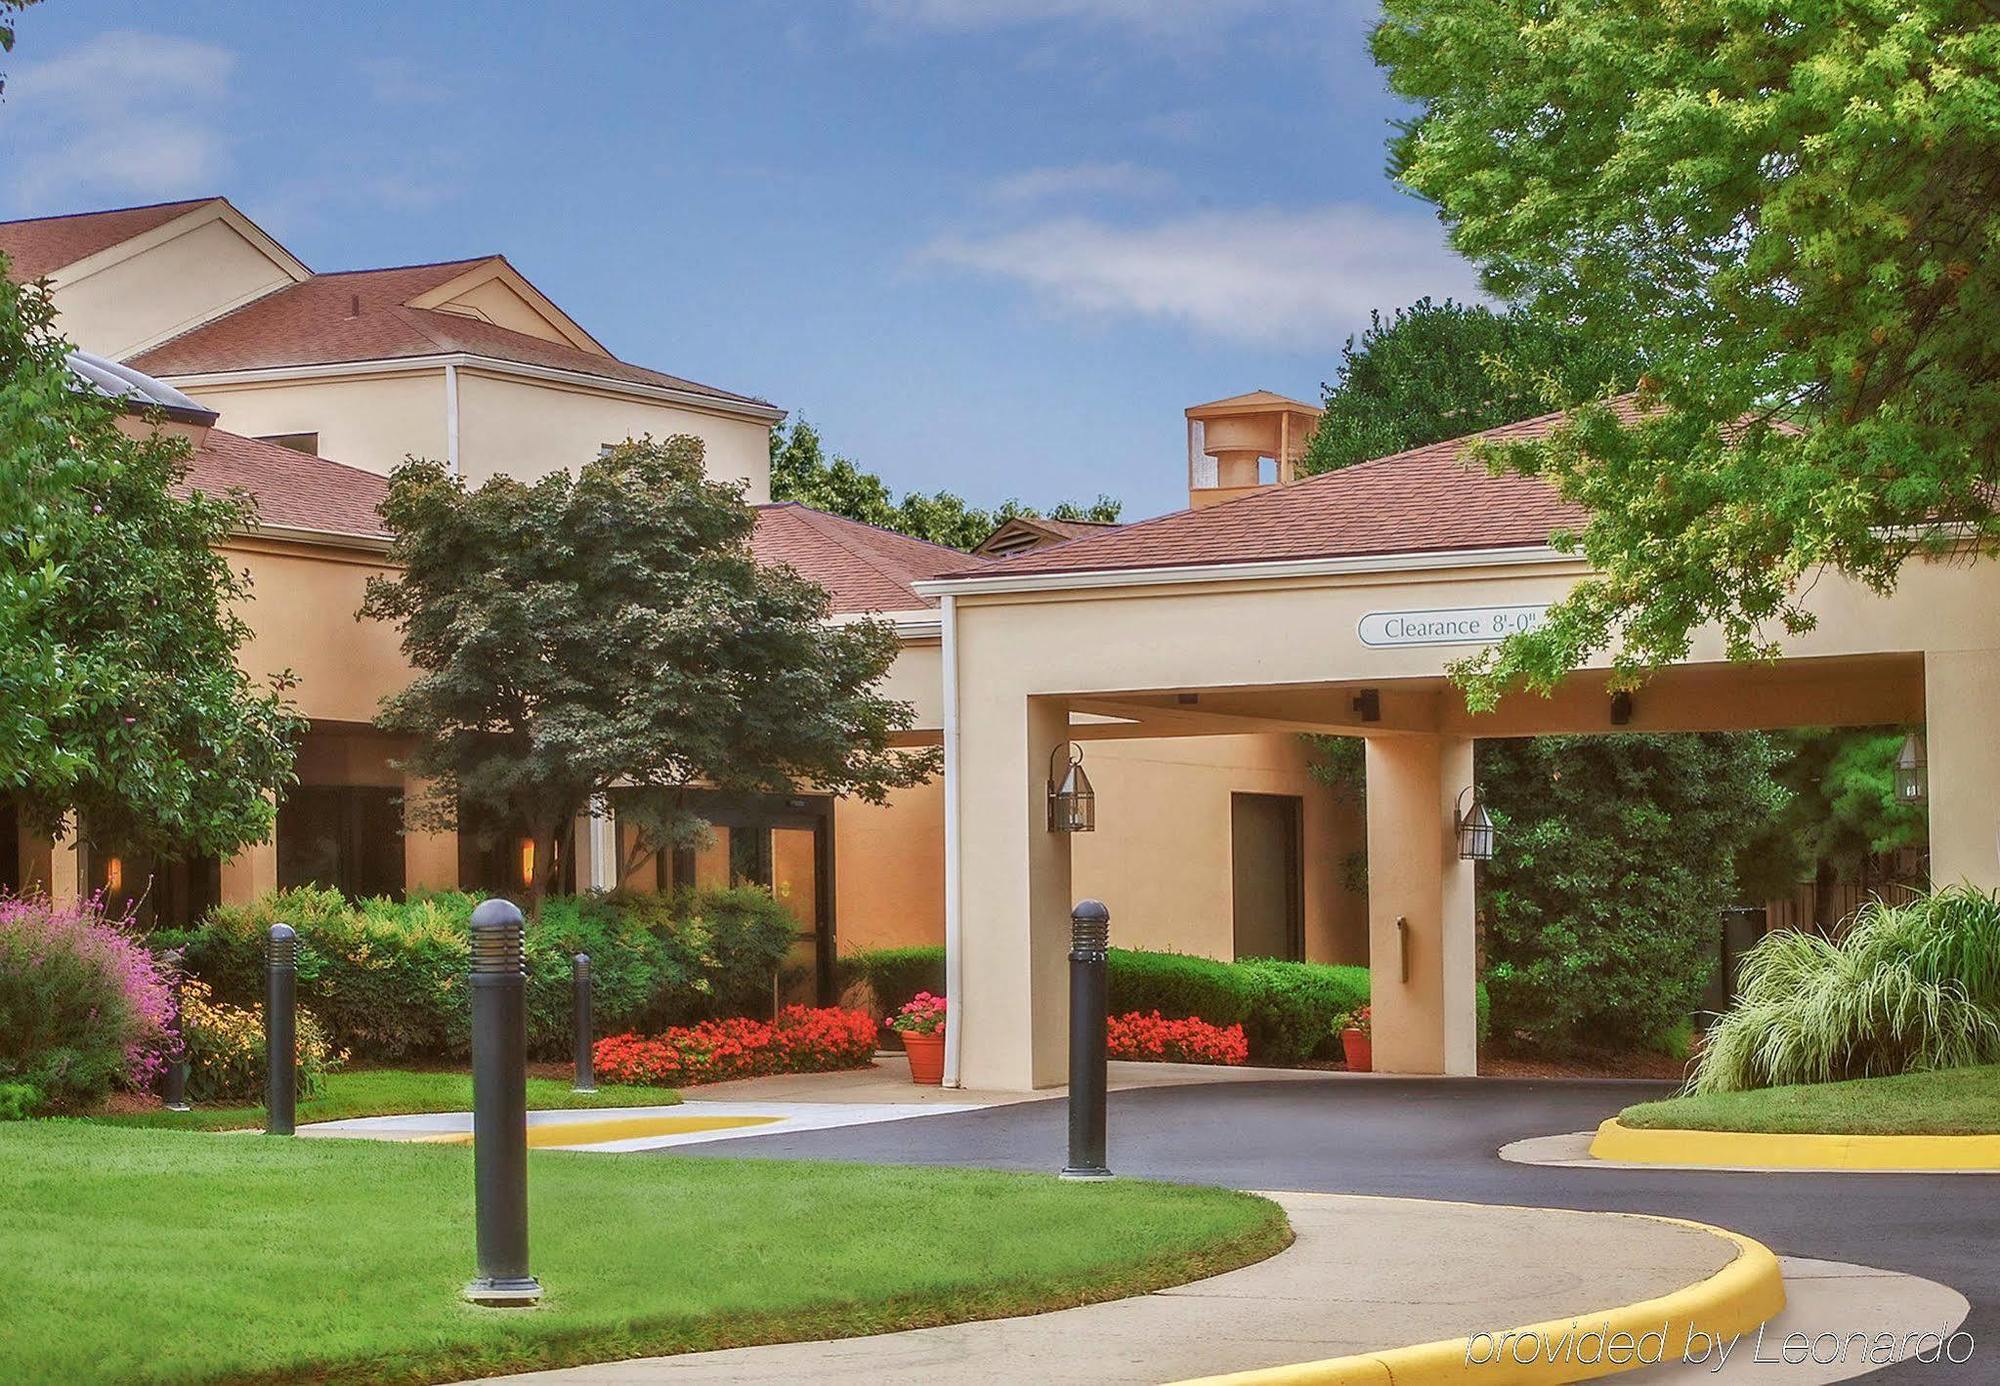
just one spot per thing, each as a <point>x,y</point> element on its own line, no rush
<point>1474,828</point>
<point>1368,705</point>
<point>1913,772</point>
<point>1621,709</point>
<point>1072,802</point>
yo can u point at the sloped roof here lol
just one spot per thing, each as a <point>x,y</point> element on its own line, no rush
<point>1255,399</point>
<point>863,568</point>
<point>1020,533</point>
<point>42,245</point>
<point>364,315</point>
<point>293,489</point>
<point>1431,499</point>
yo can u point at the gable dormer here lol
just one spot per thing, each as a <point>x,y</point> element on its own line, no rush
<point>494,291</point>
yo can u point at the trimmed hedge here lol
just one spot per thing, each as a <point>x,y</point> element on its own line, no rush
<point>1290,1011</point>
<point>387,979</point>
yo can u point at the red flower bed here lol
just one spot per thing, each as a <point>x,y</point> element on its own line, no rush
<point>1190,1041</point>
<point>800,1040</point>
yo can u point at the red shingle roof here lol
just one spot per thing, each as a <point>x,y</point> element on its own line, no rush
<point>862,567</point>
<point>364,315</point>
<point>1430,499</point>
<point>292,489</point>
<point>43,245</point>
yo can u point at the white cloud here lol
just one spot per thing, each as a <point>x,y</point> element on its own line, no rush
<point>1263,275</point>
<point>124,114</point>
<point>1057,182</point>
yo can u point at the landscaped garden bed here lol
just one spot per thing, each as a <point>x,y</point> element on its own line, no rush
<point>1944,1102</point>
<point>147,1255</point>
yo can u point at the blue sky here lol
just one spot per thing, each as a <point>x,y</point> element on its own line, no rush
<point>994,246</point>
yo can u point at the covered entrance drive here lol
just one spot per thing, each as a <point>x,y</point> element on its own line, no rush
<point>1336,606</point>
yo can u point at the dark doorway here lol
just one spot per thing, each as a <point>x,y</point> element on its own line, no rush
<point>345,837</point>
<point>1265,869</point>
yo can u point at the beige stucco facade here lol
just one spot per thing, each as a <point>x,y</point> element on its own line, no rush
<point>1278,648</point>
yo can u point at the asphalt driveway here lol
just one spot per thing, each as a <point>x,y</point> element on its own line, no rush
<point>1437,1138</point>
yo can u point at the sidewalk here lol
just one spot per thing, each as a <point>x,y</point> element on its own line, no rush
<point>889,1081</point>
<point>1365,1274</point>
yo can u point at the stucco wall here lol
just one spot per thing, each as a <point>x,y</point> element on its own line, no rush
<point>528,428</point>
<point>888,870</point>
<point>367,421</point>
<point>301,617</point>
<point>166,289</point>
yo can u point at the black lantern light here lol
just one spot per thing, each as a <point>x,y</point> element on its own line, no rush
<point>1913,772</point>
<point>1474,828</point>
<point>1072,802</point>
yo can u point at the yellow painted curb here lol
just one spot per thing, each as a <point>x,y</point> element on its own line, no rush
<point>548,1133</point>
<point>1769,1150</point>
<point>1744,1294</point>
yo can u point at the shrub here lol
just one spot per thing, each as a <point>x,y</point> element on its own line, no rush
<point>387,979</point>
<point>1907,987</point>
<point>1296,1008</point>
<point>224,1048</point>
<point>1186,1040</point>
<point>1178,984</point>
<point>19,1101</point>
<point>894,975</point>
<point>83,1006</point>
<point>800,1040</point>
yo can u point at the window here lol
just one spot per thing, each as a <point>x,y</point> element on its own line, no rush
<point>307,443</point>
<point>345,837</point>
<point>156,893</point>
<point>492,862</point>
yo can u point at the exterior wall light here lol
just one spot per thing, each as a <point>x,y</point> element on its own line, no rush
<point>1913,772</point>
<point>1072,802</point>
<point>1473,827</point>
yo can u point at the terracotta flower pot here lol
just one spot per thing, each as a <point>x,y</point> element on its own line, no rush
<point>926,1058</point>
<point>1359,1048</point>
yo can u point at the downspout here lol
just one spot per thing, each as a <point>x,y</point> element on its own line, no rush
<point>451,418</point>
<point>954,942</point>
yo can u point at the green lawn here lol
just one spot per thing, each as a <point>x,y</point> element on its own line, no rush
<point>152,1256</point>
<point>1952,1102</point>
<point>394,1092</point>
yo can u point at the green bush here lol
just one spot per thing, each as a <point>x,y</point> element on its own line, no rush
<point>1178,985</point>
<point>19,1101</point>
<point>1906,988</point>
<point>387,979</point>
<point>224,1048</point>
<point>1297,1008</point>
<point>894,975</point>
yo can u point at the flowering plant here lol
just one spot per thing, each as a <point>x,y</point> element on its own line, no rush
<point>1189,1041</point>
<point>801,1040</point>
<point>224,1047</point>
<point>83,1006</point>
<point>1358,1019</point>
<point>922,1014</point>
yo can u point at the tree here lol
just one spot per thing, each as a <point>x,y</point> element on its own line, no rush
<point>610,630</point>
<point>1787,216</point>
<point>1614,857</point>
<point>1434,371</point>
<point>123,712</point>
<point>802,471</point>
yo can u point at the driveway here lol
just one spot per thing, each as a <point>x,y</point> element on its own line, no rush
<point>1437,1138</point>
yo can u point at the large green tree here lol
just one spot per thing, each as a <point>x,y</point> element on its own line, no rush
<point>123,712</point>
<point>1433,371</point>
<point>802,470</point>
<point>1789,214</point>
<point>610,630</point>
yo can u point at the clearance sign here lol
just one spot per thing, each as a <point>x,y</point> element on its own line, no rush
<point>1466,625</point>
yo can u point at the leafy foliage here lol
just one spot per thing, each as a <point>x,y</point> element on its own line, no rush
<point>1434,371</point>
<point>1785,215</point>
<point>1841,810</point>
<point>224,1046</point>
<point>1614,858</point>
<point>612,628</point>
<point>802,471</point>
<point>121,704</point>
<point>1907,988</point>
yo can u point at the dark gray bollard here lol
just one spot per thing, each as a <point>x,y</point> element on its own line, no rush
<point>174,1079</point>
<point>1090,937</point>
<point>586,1081</point>
<point>281,1031</point>
<point>500,1107</point>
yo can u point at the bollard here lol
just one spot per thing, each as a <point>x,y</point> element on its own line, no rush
<point>500,1107</point>
<point>174,1079</point>
<point>586,1081</point>
<point>281,1032</point>
<point>1090,936</point>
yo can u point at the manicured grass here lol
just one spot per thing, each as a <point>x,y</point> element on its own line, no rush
<point>1949,1102</point>
<point>159,1256</point>
<point>394,1092</point>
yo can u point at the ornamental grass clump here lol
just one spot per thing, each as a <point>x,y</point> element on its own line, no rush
<point>1904,988</point>
<point>84,1007</point>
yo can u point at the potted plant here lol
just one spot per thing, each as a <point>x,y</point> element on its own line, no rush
<point>1356,1042</point>
<point>921,1025</point>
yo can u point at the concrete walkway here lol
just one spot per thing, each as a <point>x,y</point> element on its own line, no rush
<point>889,1081</point>
<point>1365,1274</point>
